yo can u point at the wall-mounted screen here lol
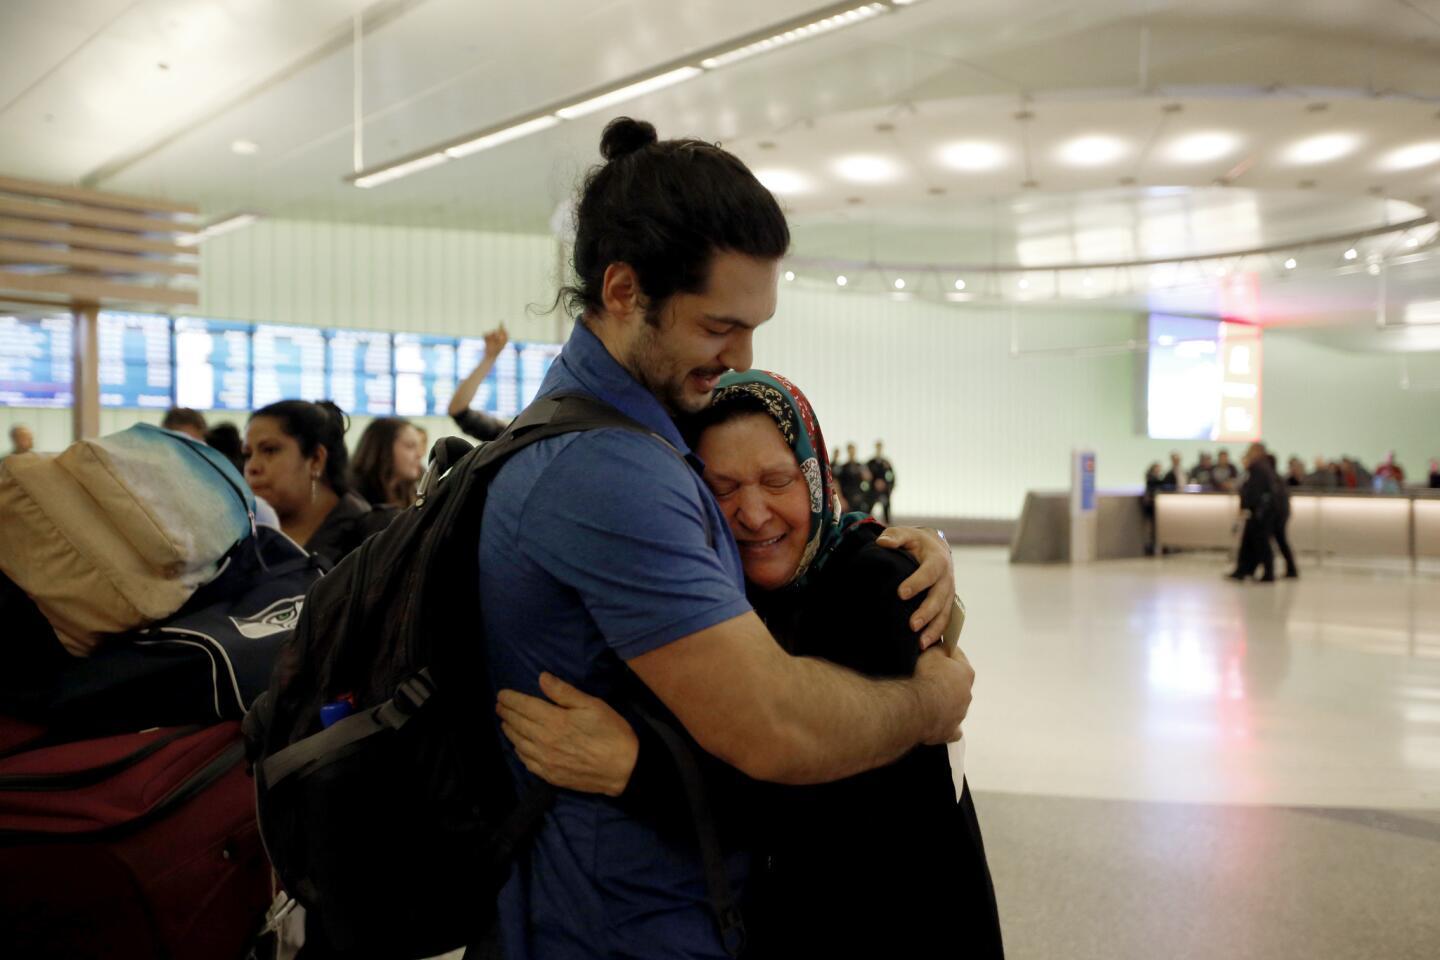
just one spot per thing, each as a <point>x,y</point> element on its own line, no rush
<point>424,374</point>
<point>499,393</point>
<point>37,361</point>
<point>134,360</point>
<point>361,380</point>
<point>535,360</point>
<point>212,364</point>
<point>1203,380</point>
<point>289,364</point>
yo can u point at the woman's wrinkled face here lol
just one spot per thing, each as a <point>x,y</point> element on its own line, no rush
<point>762,493</point>
<point>274,467</point>
<point>409,454</point>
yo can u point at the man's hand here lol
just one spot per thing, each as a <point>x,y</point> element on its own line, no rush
<point>495,342</point>
<point>936,574</point>
<point>577,743</point>
<point>945,682</point>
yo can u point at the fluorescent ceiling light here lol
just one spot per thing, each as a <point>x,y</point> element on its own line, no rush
<point>867,168</point>
<point>972,156</point>
<point>1408,158</point>
<point>501,136</point>
<point>804,32</point>
<point>1322,149</point>
<point>630,92</point>
<point>782,181</point>
<point>1092,151</point>
<point>224,225</point>
<point>1202,147</point>
<point>401,170</point>
<point>899,284</point>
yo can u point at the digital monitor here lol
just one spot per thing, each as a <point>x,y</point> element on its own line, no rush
<point>288,363</point>
<point>1203,380</point>
<point>134,360</point>
<point>499,394</point>
<point>212,364</point>
<point>535,360</point>
<point>37,361</point>
<point>424,374</point>
<point>361,380</point>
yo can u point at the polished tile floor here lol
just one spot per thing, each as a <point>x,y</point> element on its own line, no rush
<point>1167,764</point>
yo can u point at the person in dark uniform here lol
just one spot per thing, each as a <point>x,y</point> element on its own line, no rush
<point>476,423</point>
<point>1174,479</point>
<point>882,479</point>
<point>854,481</point>
<point>1282,516</point>
<point>841,869</point>
<point>1257,504</point>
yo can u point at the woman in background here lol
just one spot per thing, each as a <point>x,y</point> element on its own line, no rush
<point>295,458</point>
<point>388,463</point>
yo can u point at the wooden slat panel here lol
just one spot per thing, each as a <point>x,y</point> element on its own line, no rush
<point>94,198</point>
<point>86,260</point>
<point>79,237</point>
<point>86,289</point>
<point>58,213</point>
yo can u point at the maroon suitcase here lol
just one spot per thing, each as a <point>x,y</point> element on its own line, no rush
<point>135,846</point>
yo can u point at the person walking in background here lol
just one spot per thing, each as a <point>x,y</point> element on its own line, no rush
<point>186,421</point>
<point>854,481</point>
<point>1223,475</point>
<point>1435,474</point>
<point>480,425</point>
<point>882,479</point>
<point>1154,483</point>
<point>1279,532</point>
<point>1174,478</point>
<point>21,440</point>
<point>1257,506</point>
<point>388,463</point>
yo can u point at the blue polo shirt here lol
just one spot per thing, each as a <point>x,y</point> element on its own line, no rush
<point>595,549</point>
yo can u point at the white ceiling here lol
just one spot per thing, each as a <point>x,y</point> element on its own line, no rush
<point>147,97</point>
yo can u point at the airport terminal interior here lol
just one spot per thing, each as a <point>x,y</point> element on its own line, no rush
<point>1068,261</point>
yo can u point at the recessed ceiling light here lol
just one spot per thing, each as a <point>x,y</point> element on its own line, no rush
<point>1351,254</point>
<point>1092,151</point>
<point>1408,158</point>
<point>1202,147</point>
<point>789,274</point>
<point>1322,149</point>
<point>245,148</point>
<point>1024,284</point>
<point>1412,242</point>
<point>899,284</point>
<point>867,168</point>
<point>959,284</point>
<point>972,156</point>
<point>1373,269</point>
<point>1088,282</point>
<point>1291,264</point>
<point>784,182</point>
<point>841,280</point>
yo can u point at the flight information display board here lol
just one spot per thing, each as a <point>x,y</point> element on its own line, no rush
<point>535,360</point>
<point>288,364</point>
<point>361,380</point>
<point>37,361</point>
<point>212,364</point>
<point>424,374</point>
<point>134,360</point>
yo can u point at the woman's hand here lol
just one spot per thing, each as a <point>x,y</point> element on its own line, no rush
<point>936,574</point>
<point>575,742</point>
<point>495,342</point>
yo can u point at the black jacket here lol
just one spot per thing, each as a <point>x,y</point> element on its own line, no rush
<point>1258,493</point>
<point>347,526</point>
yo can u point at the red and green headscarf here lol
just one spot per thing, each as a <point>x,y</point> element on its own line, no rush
<point>792,413</point>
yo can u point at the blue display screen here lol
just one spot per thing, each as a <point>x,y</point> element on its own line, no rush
<point>361,381</point>
<point>37,361</point>
<point>212,364</point>
<point>135,364</point>
<point>289,364</point>
<point>425,374</point>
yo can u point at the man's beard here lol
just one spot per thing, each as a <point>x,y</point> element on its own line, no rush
<point>644,360</point>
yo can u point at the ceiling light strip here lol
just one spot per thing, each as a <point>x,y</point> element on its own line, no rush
<point>816,23</point>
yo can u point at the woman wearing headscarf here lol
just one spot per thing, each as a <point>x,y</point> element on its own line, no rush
<point>889,862</point>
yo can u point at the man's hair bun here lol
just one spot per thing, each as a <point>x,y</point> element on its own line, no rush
<point>624,135</point>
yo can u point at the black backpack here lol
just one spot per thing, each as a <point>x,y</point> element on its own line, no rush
<point>396,826</point>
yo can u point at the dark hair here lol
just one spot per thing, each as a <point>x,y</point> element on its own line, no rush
<point>225,438</point>
<point>373,471</point>
<point>177,417</point>
<point>666,207</point>
<point>735,406</point>
<point>313,425</point>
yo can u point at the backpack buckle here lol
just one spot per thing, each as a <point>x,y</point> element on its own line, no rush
<point>413,692</point>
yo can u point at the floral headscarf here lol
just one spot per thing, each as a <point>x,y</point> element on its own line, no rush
<point>792,413</point>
